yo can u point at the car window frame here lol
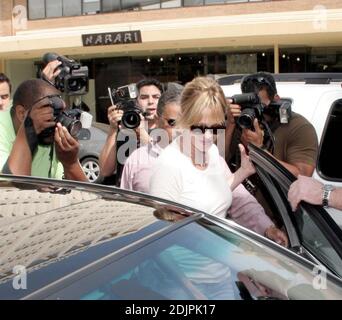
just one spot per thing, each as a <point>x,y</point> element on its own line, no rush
<point>267,165</point>
<point>322,140</point>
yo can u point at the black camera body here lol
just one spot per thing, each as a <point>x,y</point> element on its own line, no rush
<point>251,108</point>
<point>68,118</point>
<point>125,99</point>
<point>73,78</point>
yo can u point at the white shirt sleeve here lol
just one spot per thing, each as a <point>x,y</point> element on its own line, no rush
<point>127,177</point>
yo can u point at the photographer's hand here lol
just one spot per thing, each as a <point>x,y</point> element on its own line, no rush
<point>256,137</point>
<point>114,117</point>
<point>42,117</point>
<point>141,131</point>
<point>67,149</point>
<point>50,72</point>
<point>235,110</point>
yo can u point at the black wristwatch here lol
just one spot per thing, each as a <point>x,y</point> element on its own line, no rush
<point>327,188</point>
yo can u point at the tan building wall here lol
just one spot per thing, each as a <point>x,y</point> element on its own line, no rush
<point>228,27</point>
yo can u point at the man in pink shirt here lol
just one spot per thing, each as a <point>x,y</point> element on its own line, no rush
<point>245,210</point>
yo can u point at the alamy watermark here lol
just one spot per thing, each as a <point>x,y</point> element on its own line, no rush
<point>320,18</point>
<point>19,281</point>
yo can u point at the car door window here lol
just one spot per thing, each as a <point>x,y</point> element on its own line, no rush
<point>310,225</point>
<point>316,242</point>
<point>310,235</point>
<point>329,160</point>
<point>200,260</point>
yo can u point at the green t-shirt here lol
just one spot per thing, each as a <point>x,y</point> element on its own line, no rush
<point>41,162</point>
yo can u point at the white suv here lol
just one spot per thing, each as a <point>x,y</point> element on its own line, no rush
<point>318,97</point>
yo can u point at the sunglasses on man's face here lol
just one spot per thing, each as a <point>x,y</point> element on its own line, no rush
<point>202,129</point>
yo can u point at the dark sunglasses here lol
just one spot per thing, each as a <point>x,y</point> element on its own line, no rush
<point>203,129</point>
<point>171,122</point>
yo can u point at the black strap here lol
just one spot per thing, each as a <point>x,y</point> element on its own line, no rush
<point>51,159</point>
<point>31,135</point>
<point>6,169</point>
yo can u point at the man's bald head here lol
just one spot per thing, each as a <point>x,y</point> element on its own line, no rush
<point>31,91</point>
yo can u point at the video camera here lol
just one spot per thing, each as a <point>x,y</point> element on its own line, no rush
<point>125,99</point>
<point>252,107</point>
<point>73,78</point>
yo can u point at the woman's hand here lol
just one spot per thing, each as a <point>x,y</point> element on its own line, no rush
<point>247,166</point>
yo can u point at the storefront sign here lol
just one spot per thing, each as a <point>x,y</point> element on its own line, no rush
<point>103,39</point>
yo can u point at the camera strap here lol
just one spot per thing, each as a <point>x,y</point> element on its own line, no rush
<point>31,135</point>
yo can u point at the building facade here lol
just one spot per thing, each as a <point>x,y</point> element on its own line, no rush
<point>122,41</point>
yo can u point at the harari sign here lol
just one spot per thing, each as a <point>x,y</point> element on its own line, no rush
<point>103,39</point>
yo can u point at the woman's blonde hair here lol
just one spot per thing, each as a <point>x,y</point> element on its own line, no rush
<point>199,94</point>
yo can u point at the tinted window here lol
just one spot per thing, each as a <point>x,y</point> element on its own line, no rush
<point>202,261</point>
<point>316,242</point>
<point>329,162</point>
<point>307,225</point>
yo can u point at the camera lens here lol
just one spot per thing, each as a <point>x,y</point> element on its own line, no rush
<point>130,119</point>
<point>246,118</point>
<point>76,84</point>
<point>73,125</point>
<point>74,128</point>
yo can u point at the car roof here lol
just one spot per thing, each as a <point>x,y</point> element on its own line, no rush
<point>302,77</point>
<point>305,95</point>
<point>66,219</point>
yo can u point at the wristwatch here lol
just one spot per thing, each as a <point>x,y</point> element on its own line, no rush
<point>327,188</point>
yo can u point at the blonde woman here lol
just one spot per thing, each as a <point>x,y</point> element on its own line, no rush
<point>190,170</point>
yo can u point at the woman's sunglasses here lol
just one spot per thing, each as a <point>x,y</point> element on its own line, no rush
<point>171,122</point>
<point>202,129</point>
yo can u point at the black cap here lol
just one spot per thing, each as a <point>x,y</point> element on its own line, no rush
<point>253,82</point>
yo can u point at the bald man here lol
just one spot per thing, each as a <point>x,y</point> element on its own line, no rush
<point>31,142</point>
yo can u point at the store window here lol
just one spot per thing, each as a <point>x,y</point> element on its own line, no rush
<point>91,6</point>
<point>110,5</point>
<point>171,3</point>
<point>140,5</point>
<point>72,8</point>
<point>190,3</point>
<point>54,8</point>
<point>36,9</point>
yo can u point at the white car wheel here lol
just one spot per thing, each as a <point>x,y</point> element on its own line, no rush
<point>91,169</point>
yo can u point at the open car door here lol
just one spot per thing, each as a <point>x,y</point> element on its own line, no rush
<point>312,232</point>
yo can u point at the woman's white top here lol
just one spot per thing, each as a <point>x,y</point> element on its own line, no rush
<point>175,178</point>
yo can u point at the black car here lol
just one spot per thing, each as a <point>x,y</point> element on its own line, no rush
<point>73,240</point>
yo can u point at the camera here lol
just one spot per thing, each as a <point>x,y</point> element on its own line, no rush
<point>69,119</point>
<point>251,108</point>
<point>73,78</point>
<point>125,99</point>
